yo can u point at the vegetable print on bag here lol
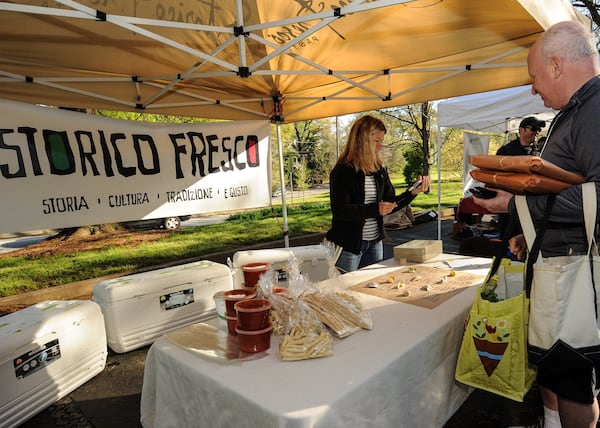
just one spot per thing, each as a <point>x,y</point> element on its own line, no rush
<point>491,340</point>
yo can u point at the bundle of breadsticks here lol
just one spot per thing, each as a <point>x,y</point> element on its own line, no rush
<point>306,337</point>
<point>339,311</point>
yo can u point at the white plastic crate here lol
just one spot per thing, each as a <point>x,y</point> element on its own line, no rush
<point>140,308</point>
<point>312,260</point>
<point>46,351</point>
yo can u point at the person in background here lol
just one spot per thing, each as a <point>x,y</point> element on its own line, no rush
<point>563,64</point>
<point>529,128</point>
<point>361,193</point>
<point>538,146</point>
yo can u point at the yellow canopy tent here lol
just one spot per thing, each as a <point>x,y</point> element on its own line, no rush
<point>284,60</point>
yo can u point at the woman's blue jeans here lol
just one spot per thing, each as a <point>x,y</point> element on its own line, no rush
<point>371,252</point>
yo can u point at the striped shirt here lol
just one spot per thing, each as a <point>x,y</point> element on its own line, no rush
<point>371,228</point>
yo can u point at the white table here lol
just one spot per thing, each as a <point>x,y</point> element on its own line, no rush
<point>400,374</point>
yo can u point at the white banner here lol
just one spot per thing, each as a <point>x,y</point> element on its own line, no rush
<point>62,169</point>
<point>475,144</point>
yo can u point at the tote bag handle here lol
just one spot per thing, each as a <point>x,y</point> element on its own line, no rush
<point>534,241</point>
<point>588,191</point>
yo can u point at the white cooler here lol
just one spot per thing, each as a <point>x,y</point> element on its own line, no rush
<point>312,260</point>
<point>46,351</point>
<point>141,307</point>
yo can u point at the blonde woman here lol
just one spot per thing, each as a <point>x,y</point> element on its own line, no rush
<point>361,193</point>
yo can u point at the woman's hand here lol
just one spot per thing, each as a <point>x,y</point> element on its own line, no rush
<point>386,207</point>
<point>425,183</point>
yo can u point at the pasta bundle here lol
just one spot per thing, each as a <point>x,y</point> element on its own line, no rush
<point>342,313</point>
<point>306,337</point>
<point>300,344</point>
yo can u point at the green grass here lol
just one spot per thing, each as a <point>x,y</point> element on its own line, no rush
<point>308,216</point>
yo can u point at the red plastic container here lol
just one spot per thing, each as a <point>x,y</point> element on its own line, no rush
<point>231,324</point>
<point>235,295</point>
<point>254,341</point>
<point>253,314</point>
<point>253,271</point>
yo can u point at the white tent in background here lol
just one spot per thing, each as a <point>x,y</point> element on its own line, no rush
<point>494,111</point>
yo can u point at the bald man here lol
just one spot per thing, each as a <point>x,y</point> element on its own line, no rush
<point>563,65</point>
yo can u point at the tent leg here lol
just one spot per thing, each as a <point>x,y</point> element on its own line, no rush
<point>286,234</point>
<point>439,185</point>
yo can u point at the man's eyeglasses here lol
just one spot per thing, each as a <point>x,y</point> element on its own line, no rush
<point>533,129</point>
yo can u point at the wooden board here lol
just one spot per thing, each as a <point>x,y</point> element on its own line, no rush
<point>426,286</point>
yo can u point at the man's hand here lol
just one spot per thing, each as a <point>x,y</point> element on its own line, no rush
<point>518,246</point>
<point>499,204</point>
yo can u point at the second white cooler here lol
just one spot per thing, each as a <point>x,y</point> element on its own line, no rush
<point>141,307</point>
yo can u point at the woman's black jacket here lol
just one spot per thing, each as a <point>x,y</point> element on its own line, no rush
<point>349,211</point>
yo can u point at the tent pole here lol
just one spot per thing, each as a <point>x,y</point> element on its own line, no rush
<point>337,137</point>
<point>439,180</point>
<point>286,234</point>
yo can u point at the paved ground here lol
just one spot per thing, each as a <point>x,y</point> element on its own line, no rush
<point>112,398</point>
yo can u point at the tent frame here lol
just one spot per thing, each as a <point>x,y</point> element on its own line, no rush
<point>239,33</point>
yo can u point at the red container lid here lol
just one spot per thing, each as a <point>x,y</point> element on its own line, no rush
<point>256,267</point>
<point>240,293</point>
<point>254,332</point>
<point>253,305</point>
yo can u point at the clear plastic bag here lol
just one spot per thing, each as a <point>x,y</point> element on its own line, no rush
<point>306,337</point>
<point>339,311</point>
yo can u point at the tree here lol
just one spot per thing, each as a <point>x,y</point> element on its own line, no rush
<point>420,118</point>
<point>149,117</point>
<point>452,151</point>
<point>591,8</point>
<point>302,174</point>
<point>410,133</point>
<point>315,144</point>
<point>308,152</point>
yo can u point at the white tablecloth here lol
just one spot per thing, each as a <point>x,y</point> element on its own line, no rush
<point>400,374</point>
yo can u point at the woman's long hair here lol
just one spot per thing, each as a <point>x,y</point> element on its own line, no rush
<point>359,153</point>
